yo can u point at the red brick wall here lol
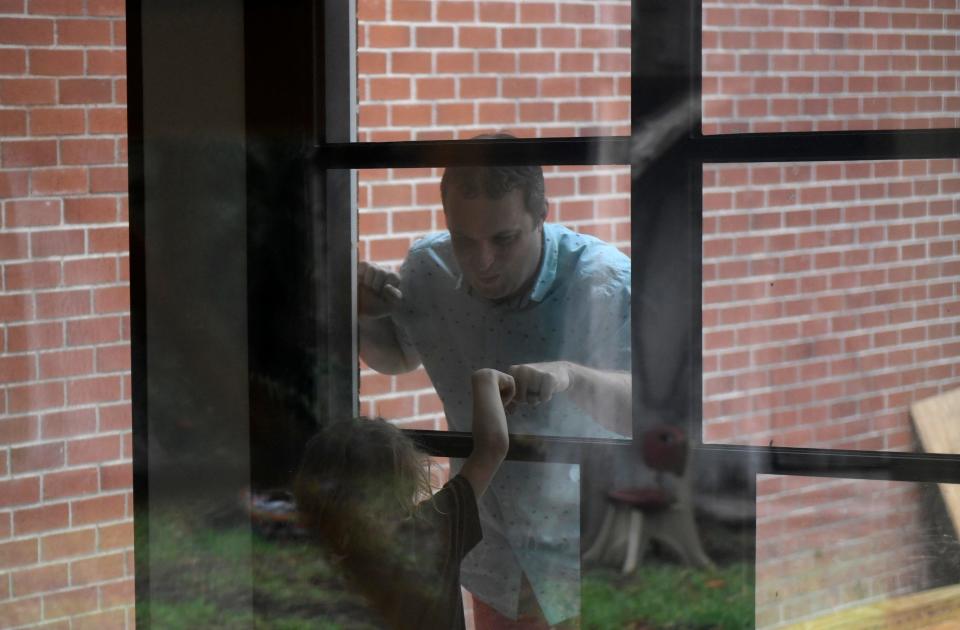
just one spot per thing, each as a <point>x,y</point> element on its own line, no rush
<point>451,69</point>
<point>798,65</point>
<point>831,300</point>
<point>66,550</point>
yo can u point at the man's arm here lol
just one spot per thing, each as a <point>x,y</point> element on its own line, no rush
<point>606,395</point>
<point>492,392</point>
<point>378,296</point>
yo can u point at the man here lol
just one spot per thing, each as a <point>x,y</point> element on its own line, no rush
<point>503,289</point>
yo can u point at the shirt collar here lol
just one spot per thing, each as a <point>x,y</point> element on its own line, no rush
<point>546,273</point>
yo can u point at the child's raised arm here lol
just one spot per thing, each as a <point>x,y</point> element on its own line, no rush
<point>492,391</point>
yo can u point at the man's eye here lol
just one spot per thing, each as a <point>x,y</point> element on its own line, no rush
<point>505,240</point>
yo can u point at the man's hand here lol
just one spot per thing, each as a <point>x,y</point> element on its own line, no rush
<point>606,395</point>
<point>538,382</point>
<point>378,294</point>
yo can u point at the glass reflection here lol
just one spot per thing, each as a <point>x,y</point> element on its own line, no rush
<point>854,553</point>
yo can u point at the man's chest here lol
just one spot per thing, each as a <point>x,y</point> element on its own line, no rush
<point>458,337</point>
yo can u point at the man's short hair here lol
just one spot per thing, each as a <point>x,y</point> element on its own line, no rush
<point>493,182</point>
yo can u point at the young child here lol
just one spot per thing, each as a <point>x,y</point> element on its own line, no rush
<point>357,492</point>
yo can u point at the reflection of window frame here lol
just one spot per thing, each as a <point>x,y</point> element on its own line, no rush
<point>661,75</point>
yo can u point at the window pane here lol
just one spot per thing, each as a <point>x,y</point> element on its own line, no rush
<point>453,69</point>
<point>830,300</point>
<point>854,553</point>
<point>398,207</point>
<point>775,65</point>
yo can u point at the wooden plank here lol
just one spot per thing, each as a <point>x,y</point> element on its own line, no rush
<point>931,610</point>
<point>938,423</point>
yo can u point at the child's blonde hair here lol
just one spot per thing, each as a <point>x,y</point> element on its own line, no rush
<point>357,478</point>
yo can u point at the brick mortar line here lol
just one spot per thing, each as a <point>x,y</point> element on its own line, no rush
<point>42,351</point>
<point>813,360</point>
<point>774,504</point>
<point>835,226</point>
<point>794,96</point>
<point>832,74</point>
<point>818,484</point>
<point>807,185</point>
<point>814,118</point>
<point>827,229</point>
<point>65,467</point>
<point>41,596</point>
<point>71,587</point>
<point>840,379</point>
<point>837,505</point>
<point>877,31</point>
<point>40,473</point>
<point>66,530</point>
<point>69,529</point>
<point>40,414</point>
<point>888,554</point>
<point>828,292</point>
<point>889,509</point>
<point>902,327</point>
<point>499,76</point>
<point>69,616</point>
<point>43,229</point>
<point>816,273</point>
<point>609,172</point>
<point>832,444</point>
<point>829,422</point>
<point>419,235</point>
<point>61,136</point>
<point>62,320</point>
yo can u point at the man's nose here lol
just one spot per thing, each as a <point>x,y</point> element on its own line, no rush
<point>485,256</point>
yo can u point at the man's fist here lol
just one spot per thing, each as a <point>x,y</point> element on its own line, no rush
<point>378,292</point>
<point>538,382</point>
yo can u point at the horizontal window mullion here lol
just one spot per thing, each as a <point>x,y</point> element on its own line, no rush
<point>828,146</point>
<point>917,467</point>
<point>530,448</point>
<point>847,464</point>
<point>558,151</point>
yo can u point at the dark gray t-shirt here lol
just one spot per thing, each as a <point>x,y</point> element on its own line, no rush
<point>419,588</point>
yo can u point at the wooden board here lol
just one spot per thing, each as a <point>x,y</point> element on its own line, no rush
<point>938,423</point>
<point>935,609</point>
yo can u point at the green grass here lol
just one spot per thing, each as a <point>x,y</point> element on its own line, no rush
<point>208,576</point>
<point>668,596</point>
<point>205,576</point>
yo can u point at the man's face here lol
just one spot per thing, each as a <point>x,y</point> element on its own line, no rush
<point>496,241</point>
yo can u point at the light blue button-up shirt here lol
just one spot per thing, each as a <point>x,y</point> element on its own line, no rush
<point>578,310</point>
